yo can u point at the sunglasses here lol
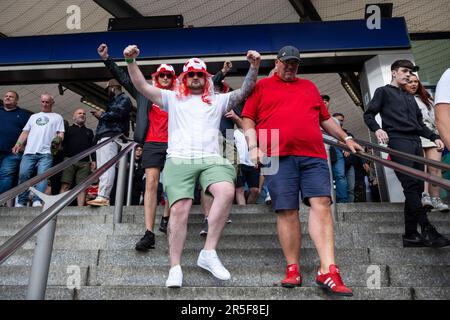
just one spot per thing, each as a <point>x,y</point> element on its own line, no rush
<point>192,74</point>
<point>166,75</point>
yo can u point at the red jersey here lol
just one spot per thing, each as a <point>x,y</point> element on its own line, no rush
<point>157,131</point>
<point>291,110</point>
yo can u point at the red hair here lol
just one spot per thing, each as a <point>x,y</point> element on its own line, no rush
<point>156,82</point>
<point>423,94</point>
<point>183,90</point>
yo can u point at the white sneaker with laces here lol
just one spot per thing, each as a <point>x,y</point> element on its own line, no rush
<point>209,260</point>
<point>175,278</point>
<point>426,201</point>
<point>37,203</point>
<point>439,205</point>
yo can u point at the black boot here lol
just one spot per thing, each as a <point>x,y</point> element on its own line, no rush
<point>432,238</point>
<point>413,240</point>
<point>147,242</point>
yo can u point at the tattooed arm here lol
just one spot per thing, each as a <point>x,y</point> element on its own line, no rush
<point>241,94</point>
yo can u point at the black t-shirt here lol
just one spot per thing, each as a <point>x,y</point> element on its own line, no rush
<point>76,140</point>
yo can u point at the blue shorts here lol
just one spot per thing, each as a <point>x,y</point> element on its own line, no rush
<point>306,175</point>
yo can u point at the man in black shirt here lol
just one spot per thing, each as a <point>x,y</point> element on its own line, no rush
<point>402,126</point>
<point>77,139</point>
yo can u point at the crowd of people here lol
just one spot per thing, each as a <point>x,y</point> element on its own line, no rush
<point>201,141</point>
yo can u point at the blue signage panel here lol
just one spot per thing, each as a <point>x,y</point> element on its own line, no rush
<point>208,41</point>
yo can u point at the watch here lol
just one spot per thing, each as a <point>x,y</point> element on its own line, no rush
<point>348,138</point>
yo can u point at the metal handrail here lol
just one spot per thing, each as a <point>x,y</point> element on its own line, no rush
<point>12,193</point>
<point>16,241</point>
<point>393,165</point>
<point>433,163</point>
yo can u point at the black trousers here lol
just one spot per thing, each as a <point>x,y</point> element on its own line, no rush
<point>412,187</point>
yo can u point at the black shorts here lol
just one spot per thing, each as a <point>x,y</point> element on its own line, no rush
<point>154,155</point>
<point>247,174</point>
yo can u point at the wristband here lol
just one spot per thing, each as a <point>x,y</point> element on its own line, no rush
<point>129,60</point>
<point>348,138</point>
<point>18,143</point>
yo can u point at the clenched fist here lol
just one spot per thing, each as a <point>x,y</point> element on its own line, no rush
<point>103,51</point>
<point>254,58</point>
<point>132,51</point>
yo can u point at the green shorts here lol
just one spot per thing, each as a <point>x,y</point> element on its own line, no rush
<point>76,172</point>
<point>180,175</point>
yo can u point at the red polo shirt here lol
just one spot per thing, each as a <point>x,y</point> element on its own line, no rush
<point>292,111</point>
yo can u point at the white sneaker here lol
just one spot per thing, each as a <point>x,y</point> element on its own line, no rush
<point>37,203</point>
<point>439,205</point>
<point>19,205</point>
<point>209,260</point>
<point>268,200</point>
<point>175,278</point>
<point>426,201</point>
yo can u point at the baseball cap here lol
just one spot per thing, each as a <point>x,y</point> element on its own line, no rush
<point>289,52</point>
<point>404,64</point>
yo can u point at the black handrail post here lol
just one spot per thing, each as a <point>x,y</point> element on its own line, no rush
<point>120,187</point>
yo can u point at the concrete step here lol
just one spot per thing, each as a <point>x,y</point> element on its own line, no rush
<point>229,257</point>
<point>58,275</point>
<point>14,292</point>
<point>193,241</point>
<point>238,293</point>
<point>247,228</point>
<point>63,258</point>
<point>434,216</point>
<point>270,276</point>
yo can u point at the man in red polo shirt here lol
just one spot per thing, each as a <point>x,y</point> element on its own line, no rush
<point>287,113</point>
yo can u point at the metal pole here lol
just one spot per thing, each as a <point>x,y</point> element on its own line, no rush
<point>37,284</point>
<point>130,176</point>
<point>120,190</point>
<point>333,190</point>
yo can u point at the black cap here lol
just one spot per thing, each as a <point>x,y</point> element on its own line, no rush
<point>404,64</point>
<point>289,52</point>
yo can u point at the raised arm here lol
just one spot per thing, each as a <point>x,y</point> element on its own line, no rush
<point>241,94</point>
<point>152,93</point>
<point>117,72</point>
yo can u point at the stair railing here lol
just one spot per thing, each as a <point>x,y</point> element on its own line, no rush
<point>45,223</point>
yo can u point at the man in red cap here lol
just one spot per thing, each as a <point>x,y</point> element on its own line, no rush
<point>294,109</point>
<point>195,112</point>
<point>151,131</point>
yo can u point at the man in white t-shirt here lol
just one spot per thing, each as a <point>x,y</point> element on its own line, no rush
<point>193,152</point>
<point>442,107</point>
<point>38,134</point>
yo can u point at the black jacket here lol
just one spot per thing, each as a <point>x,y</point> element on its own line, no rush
<point>143,104</point>
<point>116,118</point>
<point>400,114</point>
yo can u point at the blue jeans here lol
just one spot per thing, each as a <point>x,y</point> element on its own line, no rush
<point>30,163</point>
<point>9,168</point>
<point>351,184</point>
<point>339,177</point>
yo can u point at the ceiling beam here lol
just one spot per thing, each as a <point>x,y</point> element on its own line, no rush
<point>306,10</point>
<point>119,8</point>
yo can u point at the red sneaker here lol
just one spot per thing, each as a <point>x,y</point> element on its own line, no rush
<point>293,277</point>
<point>332,282</point>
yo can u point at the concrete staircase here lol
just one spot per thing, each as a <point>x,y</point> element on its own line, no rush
<point>368,241</point>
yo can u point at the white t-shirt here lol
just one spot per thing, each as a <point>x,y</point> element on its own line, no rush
<point>193,125</point>
<point>242,148</point>
<point>42,127</point>
<point>443,89</point>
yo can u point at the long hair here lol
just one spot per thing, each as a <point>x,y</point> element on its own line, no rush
<point>156,82</point>
<point>423,94</point>
<point>183,89</point>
